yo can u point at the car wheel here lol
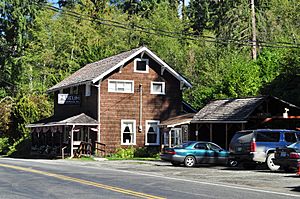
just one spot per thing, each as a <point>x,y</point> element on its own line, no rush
<point>233,163</point>
<point>189,161</point>
<point>175,163</point>
<point>270,163</point>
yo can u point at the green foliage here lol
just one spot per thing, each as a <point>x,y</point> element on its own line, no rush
<point>133,153</point>
<point>124,153</point>
<point>40,47</point>
<point>145,152</point>
<point>20,148</point>
<point>4,145</point>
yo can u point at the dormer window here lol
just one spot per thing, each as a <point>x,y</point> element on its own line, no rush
<point>141,65</point>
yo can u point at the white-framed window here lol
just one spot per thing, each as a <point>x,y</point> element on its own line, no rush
<point>74,90</point>
<point>120,86</point>
<point>88,90</point>
<point>141,65</point>
<point>128,132</point>
<point>152,132</point>
<point>158,88</point>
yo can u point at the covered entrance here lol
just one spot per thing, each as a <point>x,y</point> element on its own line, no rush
<point>73,136</point>
<point>176,130</point>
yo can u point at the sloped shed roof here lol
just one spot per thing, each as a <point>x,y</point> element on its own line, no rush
<point>232,110</point>
<point>93,72</point>
<point>238,109</point>
<point>81,119</point>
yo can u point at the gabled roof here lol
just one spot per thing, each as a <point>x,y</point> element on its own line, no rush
<point>235,110</point>
<point>238,109</point>
<point>93,72</point>
<point>81,119</point>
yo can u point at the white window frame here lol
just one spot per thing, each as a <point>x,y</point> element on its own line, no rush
<point>134,131</point>
<point>140,71</point>
<point>88,90</point>
<point>120,81</point>
<point>163,88</point>
<point>157,133</point>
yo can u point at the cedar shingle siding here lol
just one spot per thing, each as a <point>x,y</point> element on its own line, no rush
<point>118,106</point>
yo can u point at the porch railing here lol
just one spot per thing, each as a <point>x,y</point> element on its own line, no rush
<point>100,149</point>
<point>85,148</point>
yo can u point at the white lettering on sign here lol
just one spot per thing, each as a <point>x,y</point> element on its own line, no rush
<point>68,99</point>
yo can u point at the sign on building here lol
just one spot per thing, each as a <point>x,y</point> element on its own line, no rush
<point>68,99</point>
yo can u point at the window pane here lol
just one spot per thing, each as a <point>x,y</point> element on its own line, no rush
<point>127,138</point>
<point>128,86</point>
<point>290,137</point>
<point>112,86</point>
<point>141,65</point>
<point>267,137</point>
<point>151,137</point>
<point>157,88</point>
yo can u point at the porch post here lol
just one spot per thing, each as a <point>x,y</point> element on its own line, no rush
<point>72,152</point>
<point>226,138</point>
<point>99,110</point>
<point>170,138</point>
<point>210,132</point>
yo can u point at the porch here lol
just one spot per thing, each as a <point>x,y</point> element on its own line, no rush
<point>70,137</point>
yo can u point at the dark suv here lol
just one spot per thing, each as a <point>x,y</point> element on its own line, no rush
<point>258,146</point>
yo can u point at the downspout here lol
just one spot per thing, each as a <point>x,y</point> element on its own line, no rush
<point>72,136</point>
<point>141,108</point>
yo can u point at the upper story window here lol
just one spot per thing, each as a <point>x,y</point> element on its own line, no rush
<point>158,88</point>
<point>74,90</point>
<point>141,65</point>
<point>88,90</point>
<point>121,86</point>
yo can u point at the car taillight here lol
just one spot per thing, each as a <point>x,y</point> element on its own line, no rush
<point>294,155</point>
<point>252,146</point>
<point>171,152</point>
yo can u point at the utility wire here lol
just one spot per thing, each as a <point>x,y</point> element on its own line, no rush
<point>177,35</point>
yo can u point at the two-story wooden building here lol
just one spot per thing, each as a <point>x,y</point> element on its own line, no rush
<point>118,101</point>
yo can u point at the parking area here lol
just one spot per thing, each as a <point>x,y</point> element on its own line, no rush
<point>260,178</point>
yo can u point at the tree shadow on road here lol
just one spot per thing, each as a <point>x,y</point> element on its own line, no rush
<point>296,188</point>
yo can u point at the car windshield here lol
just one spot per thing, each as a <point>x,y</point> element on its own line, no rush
<point>295,145</point>
<point>184,145</point>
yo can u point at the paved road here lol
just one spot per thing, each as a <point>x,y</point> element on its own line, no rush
<point>130,179</point>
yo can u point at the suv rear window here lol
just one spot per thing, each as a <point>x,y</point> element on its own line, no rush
<point>242,137</point>
<point>290,137</point>
<point>267,136</point>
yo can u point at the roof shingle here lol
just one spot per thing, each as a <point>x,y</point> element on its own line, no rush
<point>93,70</point>
<point>228,109</point>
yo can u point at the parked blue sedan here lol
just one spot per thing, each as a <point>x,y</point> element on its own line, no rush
<point>195,152</point>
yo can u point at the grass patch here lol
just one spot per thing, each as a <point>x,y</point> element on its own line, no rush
<point>84,158</point>
<point>135,158</point>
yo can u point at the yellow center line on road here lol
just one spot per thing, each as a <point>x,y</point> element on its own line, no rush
<point>86,182</point>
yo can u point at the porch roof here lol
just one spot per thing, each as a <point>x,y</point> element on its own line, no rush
<point>177,120</point>
<point>80,120</point>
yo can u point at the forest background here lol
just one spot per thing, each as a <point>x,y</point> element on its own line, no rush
<point>208,41</point>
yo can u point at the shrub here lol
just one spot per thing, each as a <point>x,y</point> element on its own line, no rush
<point>124,153</point>
<point>4,144</point>
<point>145,152</point>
